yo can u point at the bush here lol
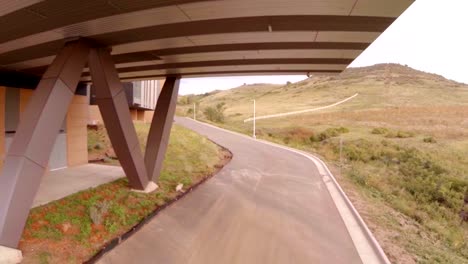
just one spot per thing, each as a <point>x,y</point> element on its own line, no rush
<point>404,134</point>
<point>429,140</point>
<point>314,138</point>
<point>380,131</point>
<point>399,134</point>
<point>98,146</point>
<point>329,133</point>
<point>215,114</point>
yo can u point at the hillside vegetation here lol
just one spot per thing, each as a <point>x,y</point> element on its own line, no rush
<point>404,153</point>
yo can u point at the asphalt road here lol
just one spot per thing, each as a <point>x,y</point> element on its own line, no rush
<point>268,205</point>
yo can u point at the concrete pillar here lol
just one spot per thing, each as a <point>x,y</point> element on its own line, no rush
<point>112,102</point>
<point>29,153</point>
<point>160,129</point>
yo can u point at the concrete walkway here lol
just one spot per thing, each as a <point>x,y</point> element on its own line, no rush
<point>268,205</point>
<point>61,183</point>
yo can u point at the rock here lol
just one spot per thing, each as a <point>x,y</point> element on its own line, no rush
<point>65,226</point>
<point>179,187</point>
<point>111,153</point>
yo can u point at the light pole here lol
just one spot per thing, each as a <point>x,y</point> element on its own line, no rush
<point>194,112</point>
<point>254,136</point>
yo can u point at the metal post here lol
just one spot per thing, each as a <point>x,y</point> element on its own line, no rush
<point>254,136</point>
<point>194,112</point>
<point>158,136</point>
<point>28,156</point>
<point>112,102</point>
<point>341,151</point>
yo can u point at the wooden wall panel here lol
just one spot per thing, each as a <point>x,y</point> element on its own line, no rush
<point>95,116</point>
<point>148,117</point>
<point>134,114</point>
<point>77,134</point>
<point>141,115</point>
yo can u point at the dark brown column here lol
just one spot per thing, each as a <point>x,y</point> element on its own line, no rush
<point>158,136</point>
<point>28,156</point>
<point>113,104</point>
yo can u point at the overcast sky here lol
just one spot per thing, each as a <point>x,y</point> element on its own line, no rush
<point>432,35</point>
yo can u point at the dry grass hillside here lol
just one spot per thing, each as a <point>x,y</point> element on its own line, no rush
<point>404,157</point>
<point>380,86</point>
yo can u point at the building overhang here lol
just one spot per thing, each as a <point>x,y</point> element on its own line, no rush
<point>194,38</point>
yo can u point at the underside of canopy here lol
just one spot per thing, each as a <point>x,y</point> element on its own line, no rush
<point>155,39</point>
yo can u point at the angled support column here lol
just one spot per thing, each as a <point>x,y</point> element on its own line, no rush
<point>113,104</point>
<point>28,156</point>
<point>158,136</point>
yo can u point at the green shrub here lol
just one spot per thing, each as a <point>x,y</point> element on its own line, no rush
<point>399,134</point>
<point>380,131</point>
<point>329,133</point>
<point>404,134</point>
<point>429,140</point>
<point>98,146</point>
<point>314,138</point>
<point>343,130</point>
<point>215,114</point>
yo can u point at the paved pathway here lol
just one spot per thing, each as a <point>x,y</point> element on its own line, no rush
<point>63,182</point>
<point>268,205</point>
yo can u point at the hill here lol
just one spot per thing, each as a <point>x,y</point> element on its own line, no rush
<point>399,149</point>
<point>379,86</point>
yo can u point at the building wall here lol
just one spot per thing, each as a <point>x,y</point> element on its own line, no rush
<point>161,83</point>
<point>148,116</point>
<point>2,126</point>
<point>140,115</point>
<point>134,114</point>
<point>77,134</point>
<point>146,93</point>
<point>25,96</point>
<point>70,148</point>
<point>94,115</point>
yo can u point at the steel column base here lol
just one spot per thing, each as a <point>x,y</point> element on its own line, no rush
<point>151,187</point>
<point>10,255</point>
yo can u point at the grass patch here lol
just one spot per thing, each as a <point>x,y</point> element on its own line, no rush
<point>72,229</point>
